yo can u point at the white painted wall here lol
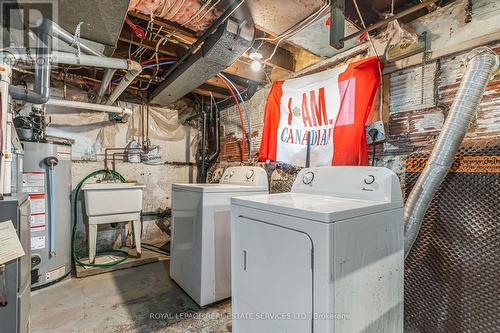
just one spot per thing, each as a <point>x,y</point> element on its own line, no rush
<point>92,132</point>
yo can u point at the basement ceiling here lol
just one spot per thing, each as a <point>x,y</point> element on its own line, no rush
<point>170,31</point>
<point>278,15</point>
<point>316,38</point>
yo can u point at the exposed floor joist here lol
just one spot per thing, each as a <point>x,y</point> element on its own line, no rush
<point>282,58</point>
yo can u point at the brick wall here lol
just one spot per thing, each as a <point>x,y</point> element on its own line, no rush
<point>413,116</point>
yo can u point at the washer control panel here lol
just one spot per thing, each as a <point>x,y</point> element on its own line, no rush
<point>308,177</point>
<point>370,179</point>
<point>245,175</point>
<point>357,182</point>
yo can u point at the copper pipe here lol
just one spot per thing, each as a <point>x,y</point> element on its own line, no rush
<point>122,149</point>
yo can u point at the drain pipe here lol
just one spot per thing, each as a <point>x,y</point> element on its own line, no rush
<point>40,95</point>
<point>118,110</point>
<point>482,62</point>
<point>106,80</point>
<point>133,70</point>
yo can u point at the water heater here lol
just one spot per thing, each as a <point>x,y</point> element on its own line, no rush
<point>46,179</point>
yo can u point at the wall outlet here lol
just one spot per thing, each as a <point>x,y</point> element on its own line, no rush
<point>380,132</point>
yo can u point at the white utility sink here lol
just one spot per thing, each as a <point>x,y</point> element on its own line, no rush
<point>112,203</point>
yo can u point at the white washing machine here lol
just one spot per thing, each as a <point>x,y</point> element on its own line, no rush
<point>327,257</point>
<point>200,259</point>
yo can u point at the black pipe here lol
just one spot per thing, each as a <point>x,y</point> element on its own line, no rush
<point>203,177</point>
<point>207,162</point>
<point>215,153</point>
<point>308,151</point>
<point>194,47</point>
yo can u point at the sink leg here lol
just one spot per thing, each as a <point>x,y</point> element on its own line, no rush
<point>137,236</point>
<point>92,235</point>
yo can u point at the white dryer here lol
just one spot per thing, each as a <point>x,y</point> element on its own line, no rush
<point>325,258</point>
<point>200,259</point>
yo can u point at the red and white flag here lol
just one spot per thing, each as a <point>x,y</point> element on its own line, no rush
<point>330,109</point>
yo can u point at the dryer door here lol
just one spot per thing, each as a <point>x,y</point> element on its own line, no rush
<point>272,278</point>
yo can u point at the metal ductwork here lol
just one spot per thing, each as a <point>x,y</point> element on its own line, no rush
<point>481,64</point>
<point>221,49</point>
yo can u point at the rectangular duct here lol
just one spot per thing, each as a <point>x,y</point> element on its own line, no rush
<point>219,51</point>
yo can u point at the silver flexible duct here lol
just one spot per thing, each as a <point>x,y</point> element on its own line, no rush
<point>482,62</point>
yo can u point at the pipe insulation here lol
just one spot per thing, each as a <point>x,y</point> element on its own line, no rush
<point>90,107</point>
<point>481,62</point>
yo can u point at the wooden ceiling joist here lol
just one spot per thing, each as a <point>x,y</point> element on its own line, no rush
<point>205,92</point>
<point>238,68</point>
<point>282,58</point>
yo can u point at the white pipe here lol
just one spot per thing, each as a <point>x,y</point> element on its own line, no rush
<point>89,60</point>
<point>5,144</point>
<point>7,183</point>
<point>133,68</point>
<point>105,82</point>
<point>90,107</point>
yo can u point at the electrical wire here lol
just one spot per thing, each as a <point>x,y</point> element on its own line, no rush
<point>294,30</point>
<point>145,62</point>
<point>299,25</point>
<point>247,114</point>
<point>243,136</point>
<point>118,79</point>
<point>208,11</point>
<point>159,64</point>
<point>197,13</point>
<point>375,52</point>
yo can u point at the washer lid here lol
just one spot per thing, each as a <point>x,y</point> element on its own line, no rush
<point>219,188</point>
<point>322,208</point>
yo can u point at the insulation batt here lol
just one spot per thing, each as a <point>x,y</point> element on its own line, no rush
<point>179,11</point>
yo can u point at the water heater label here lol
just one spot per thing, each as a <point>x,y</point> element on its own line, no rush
<point>64,153</point>
<point>37,204</point>
<point>37,222</point>
<point>34,182</point>
<point>55,273</point>
<point>38,242</point>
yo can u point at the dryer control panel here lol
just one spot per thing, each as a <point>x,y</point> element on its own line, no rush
<point>245,175</point>
<point>356,182</point>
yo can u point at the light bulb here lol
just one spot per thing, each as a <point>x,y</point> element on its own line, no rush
<point>255,55</point>
<point>256,66</point>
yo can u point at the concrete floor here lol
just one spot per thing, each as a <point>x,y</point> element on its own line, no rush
<point>140,299</point>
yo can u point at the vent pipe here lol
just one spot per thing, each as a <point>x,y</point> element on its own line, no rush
<point>40,95</point>
<point>482,62</point>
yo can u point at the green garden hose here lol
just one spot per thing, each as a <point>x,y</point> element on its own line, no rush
<point>75,206</point>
